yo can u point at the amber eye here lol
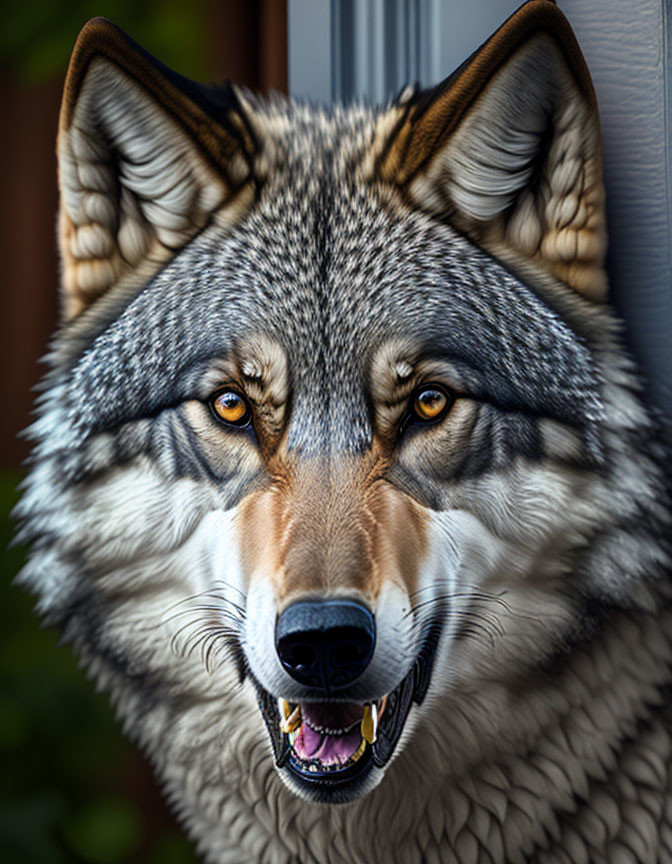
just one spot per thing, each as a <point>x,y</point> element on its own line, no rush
<point>429,403</point>
<point>231,407</point>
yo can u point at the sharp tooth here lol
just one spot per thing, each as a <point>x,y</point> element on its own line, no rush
<point>358,752</point>
<point>291,722</point>
<point>369,727</point>
<point>284,708</point>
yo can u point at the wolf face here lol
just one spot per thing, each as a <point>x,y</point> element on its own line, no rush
<point>341,479</point>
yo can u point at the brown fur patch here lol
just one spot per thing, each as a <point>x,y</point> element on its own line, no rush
<point>337,530</point>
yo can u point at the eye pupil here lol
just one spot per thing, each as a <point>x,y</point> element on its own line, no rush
<point>229,401</point>
<point>430,403</point>
<point>231,407</point>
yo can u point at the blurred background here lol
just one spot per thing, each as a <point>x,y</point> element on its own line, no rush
<point>72,789</point>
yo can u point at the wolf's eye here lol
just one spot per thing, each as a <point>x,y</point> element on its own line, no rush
<point>430,403</point>
<point>231,407</point>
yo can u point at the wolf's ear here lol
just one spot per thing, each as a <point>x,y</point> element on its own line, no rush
<point>508,149</point>
<point>146,158</point>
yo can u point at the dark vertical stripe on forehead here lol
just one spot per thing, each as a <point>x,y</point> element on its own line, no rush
<point>329,411</point>
<point>339,426</point>
<point>329,414</point>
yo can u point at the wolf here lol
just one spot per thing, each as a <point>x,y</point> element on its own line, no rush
<point>343,486</point>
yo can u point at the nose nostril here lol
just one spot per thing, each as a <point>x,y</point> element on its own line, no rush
<point>344,655</point>
<point>300,655</point>
<point>325,644</point>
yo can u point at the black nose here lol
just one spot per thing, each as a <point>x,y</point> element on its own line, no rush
<point>325,643</point>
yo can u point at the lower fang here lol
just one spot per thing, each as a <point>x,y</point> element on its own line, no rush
<point>358,752</point>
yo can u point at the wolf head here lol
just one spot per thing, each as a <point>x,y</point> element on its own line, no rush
<point>338,452</point>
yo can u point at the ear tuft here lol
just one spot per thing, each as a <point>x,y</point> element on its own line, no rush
<point>145,160</point>
<point>508,149</point>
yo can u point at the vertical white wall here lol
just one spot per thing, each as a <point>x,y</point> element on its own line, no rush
<point>627,47</point>
<point>310,43</point>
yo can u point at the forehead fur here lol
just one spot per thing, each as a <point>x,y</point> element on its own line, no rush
<point>307,137</point>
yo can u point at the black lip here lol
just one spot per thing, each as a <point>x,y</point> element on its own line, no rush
<point>331,778</point>
<point>323,784</point>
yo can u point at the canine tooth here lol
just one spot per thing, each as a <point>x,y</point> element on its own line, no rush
<point>358,752</point>
<point>291,722</point>
<point>369,727</point>
<point>284,708</point>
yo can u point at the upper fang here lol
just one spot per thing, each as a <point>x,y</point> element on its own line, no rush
<point>290,722</point>
<point>369,727</point>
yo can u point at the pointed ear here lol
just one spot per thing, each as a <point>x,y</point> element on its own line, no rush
<point>146,158</point>
<point>508,149</point>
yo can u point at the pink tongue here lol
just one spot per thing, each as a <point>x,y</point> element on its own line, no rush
<point>329,749</point>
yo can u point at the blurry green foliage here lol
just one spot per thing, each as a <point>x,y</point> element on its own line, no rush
<point>37,37</point>
<point>65,763</point>
<point>108,829</point>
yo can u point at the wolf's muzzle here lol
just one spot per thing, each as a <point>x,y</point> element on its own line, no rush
<point>325,644</point>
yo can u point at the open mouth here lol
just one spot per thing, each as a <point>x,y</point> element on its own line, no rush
<point>329,748</point>
<point>329,738</point>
